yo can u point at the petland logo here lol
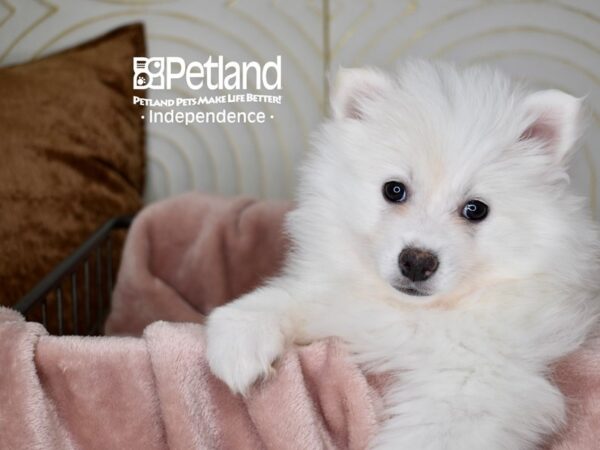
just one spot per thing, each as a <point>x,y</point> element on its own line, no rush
<point>159,73</point>
<point>229,79</point>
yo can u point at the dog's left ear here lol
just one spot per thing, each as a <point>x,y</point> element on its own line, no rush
<point>555,122</point>
<point>353,89</point>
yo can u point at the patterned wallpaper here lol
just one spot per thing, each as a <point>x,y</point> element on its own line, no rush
<point>551,43</point>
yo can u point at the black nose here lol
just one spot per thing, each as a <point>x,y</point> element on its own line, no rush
<point>417,264</point>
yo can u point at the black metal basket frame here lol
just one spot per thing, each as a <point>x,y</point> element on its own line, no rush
<point>69,269</point>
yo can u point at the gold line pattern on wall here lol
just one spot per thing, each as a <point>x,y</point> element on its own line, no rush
<point>424,31</point>
<point>494,56</point>
<point>11,11</point>
<point>51,9</point>
<point>410,9</point>
<point>515,29</point>
<point>352,28</point>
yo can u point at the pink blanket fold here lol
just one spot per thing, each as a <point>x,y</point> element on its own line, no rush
<point>157,392</point>
<point>186,255</point>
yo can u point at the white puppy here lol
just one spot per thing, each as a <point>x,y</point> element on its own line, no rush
<point>436,235</point>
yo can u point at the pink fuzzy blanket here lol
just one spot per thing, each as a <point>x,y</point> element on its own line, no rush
<point>156,392</point>
<point>187,255</point>
<point>183,257</point>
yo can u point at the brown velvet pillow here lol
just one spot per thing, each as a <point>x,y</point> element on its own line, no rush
<point>71,153</point>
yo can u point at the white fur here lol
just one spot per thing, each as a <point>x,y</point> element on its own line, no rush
<point>512,294</point>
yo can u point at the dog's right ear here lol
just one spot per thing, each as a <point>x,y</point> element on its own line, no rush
<point>353,89</point>
<point>555,122</point>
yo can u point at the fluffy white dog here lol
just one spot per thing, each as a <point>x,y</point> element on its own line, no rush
<point>436,235</point>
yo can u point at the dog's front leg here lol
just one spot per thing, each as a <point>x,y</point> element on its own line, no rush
<point>245,336</point>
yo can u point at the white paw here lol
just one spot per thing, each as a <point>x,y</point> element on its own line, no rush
<point>242,344</point>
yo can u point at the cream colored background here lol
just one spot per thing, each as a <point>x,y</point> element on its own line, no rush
<point>553,43</point>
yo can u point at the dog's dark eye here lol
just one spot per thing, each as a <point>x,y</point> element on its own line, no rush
<point>475,210</point>
<point>394,191</point>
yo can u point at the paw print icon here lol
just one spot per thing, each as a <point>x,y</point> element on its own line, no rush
<point>148,73</point>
